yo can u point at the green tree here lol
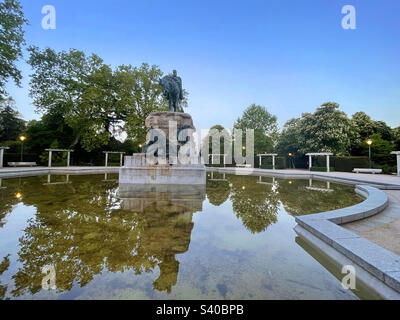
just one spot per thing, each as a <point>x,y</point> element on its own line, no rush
<point>209,139</point>
<point>139,94</point>
<point>327,129</point>
<point>396,137</point>
<point>11,124</point>
<point>78,87</point>
<point>12,21</point>
<point>291,139</point>
<point>95,101</point>
<point>380,150</point>
<point>258,118</point>
<point>364,128</point>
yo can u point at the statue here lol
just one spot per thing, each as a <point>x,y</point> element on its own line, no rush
<point>172,85</point>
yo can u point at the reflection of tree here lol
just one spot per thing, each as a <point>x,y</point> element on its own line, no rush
<point>80,229</point>
<point>7,202</point>
<point>217,192</point>
<point>255,204</point>
<point>298,200</point>
<point>3,267</point>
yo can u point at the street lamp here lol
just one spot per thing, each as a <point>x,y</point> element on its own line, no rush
<point>291,161</point>
<point>22,139</point>
<point>369,143</point>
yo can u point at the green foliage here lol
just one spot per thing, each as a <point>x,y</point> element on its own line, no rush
<point>255,204</point>
<point>96,102</point>
<point>381,149</point>
<point>12,21</point>
<point>347,164</point>
<point>50,132</point>
<point>396,138</point>
<point>11,124</point>
<point>262,143</point>
<point>365,128</point>
<point>139,94</point>
<point>280,163</point>
<point>322,169</point>
<point>326,130</point>
<point>291,138</point>
<point>258,118</point>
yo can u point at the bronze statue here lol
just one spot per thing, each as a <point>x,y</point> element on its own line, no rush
<point>172,85</point>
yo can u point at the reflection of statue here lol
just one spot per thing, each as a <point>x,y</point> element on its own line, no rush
<point>168,210</point>
<point>172,85</point>
<point>89,230</point>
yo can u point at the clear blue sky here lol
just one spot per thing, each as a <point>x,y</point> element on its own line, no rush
<point>287,55</point>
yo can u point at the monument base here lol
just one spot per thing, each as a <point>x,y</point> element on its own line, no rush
<point>139,171</point>
<point>170,199</point>
<point>163,175</point>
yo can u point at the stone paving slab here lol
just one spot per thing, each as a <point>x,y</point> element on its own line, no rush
<point>381,263</point>
<point>382,229</point>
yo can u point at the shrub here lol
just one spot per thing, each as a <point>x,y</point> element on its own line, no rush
<point>322,169</point>
<point>347,164</point>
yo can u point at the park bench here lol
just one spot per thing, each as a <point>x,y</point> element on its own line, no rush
<point>22,164</point>
<point>243,166</point>
<point>373,171</point>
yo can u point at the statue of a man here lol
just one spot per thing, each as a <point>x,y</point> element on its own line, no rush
<point>179,82</point>
<point>172,85</point>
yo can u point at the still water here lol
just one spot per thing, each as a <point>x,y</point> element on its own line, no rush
<point>232,239</point>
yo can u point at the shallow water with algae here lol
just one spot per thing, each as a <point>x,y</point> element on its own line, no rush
<point>231,239</point>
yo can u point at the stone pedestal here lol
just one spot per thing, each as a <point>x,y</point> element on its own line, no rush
<point>162,121</point>
<point>140,170</point>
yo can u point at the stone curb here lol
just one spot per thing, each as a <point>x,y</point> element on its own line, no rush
<point>381,263</point>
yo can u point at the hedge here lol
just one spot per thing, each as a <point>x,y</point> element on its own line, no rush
<point>344,164</point>
<point>16,157</point>
<point>322,169</point>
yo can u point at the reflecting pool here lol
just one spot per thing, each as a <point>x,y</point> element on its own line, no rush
<point>86,237</point>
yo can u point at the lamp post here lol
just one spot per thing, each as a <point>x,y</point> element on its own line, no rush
<point>22,139</point>
<point>291,160</point>
<point>369,143</point>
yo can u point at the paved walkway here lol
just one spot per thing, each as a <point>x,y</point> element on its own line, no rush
<point>384,228</point>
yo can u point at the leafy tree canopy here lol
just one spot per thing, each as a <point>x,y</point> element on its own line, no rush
<point>12,21</point>
<point>11,123</point>
<point>327,129</point>
<point>258,118</point>
<point>96,102</point>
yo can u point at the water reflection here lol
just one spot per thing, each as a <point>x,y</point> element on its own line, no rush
<point>3,267</point>
<point>255,204</point>
<point>86,226</point>
<point>166,213</point>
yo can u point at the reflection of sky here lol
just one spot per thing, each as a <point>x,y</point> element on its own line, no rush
<point>223,260</point>
<point>288,55</point>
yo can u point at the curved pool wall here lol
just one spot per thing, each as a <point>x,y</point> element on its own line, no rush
<point>382,264</point>
<point>322,228</point>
